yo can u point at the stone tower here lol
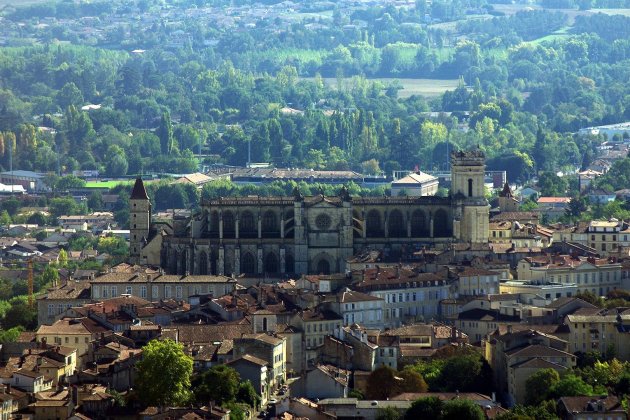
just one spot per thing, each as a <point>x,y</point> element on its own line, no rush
<point>471,210</point>
<point>507,201</point>
<point>139,220</point>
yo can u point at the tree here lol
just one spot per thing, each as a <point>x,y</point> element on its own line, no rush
<point>388,413</point>
<point>63,258</point>
<point>20,315</point>
<point>551,185</point>
<point>382,383</point>
<point>11,335</point>
<point>571,386</point>
<point>165,133</point>
<point>412,381</point>
<point>461,409</point>
<point>425,408</point>
<point>50,275</point>
<point>219,383</point>
<point>539,384</point>
<point>247,394</point>
<point>163,374</point>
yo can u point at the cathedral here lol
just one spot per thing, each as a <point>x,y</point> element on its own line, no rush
<point>274,236</point>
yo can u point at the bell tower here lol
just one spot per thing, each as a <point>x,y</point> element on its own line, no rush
<point>471,212</point>
<point>139,220</point>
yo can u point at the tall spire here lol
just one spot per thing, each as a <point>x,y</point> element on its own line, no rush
<point>139,192</point>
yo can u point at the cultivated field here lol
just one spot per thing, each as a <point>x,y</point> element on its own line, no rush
<point>424,87</point>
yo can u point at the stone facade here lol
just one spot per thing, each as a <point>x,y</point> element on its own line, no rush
<point>315,234</point>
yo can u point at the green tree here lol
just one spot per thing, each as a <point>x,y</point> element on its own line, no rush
<point>50,275</point>
<point>63,258</point>
<point>20,315</point>
<point>538,385</point>
<point>219,383</point>
<point>11,335</point>
<point>551,185</point>
<point>163,374</point>
<point>247,394</point>
<point>165,134</point>
<point>388,413</point>
<point>425,408</point>
<point>571,386</point>
<point>462,409</point>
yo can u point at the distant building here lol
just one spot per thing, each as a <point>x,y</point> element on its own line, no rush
<point>31,181</point>
<point>416,184</point>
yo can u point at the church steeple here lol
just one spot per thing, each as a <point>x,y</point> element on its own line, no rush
<point>139,220</point>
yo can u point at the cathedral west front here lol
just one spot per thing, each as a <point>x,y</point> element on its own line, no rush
<point>298,234</point>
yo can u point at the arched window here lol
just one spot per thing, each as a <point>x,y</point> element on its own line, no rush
<point>418,224</point>
<point>214,224</point>
<point>470,189</point>
<point>289,264</point>
<point>373,224</point>
<point>183,262</point>
<point>441,228</point>
<point>247,225</point>
<point>270,223</point>
<point>203,263</point>
<point>264,324</point>
<point>323,266</point>
<point>248,263</point>
<point>271,263</point>
<point>396,224</point>
<point>228,224</point>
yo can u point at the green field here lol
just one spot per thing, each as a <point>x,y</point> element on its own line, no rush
<point>105,184</point>
<point>424,87</point>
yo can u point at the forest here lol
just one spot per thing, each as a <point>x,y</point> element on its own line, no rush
<point>523,93</point>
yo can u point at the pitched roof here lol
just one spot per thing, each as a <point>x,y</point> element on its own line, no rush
<point>139,192</point>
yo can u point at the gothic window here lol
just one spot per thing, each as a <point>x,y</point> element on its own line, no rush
<point>289,264</point>
<point>373,224</point>
<point>396,224</point>
<point>228,224</point>
<point>441,228</point>
<point>214,223</point>
<point>247,225</point>
<point>248,263</point>
<point>323,267</point>
<point>203,263</point>
<point>271,263</point>
<point>183,262</point>
<point>270,222</point>
<point>470,187</point>
<point>418,224</point>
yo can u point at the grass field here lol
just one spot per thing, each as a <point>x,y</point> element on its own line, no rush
<point>106,184</point>
<point>559,34</point>
<point>424,87</point>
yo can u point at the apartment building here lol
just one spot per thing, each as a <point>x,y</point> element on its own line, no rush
<point>596,275</point>
<point>601,331</point>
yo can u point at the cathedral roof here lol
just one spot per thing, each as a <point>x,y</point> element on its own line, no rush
<point>139,192</point>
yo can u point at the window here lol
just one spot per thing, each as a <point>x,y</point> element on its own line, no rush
<point>114,291</point>
<point>128,290</point>
<point>167,292</point>
<point>96,292</point>
<point>67,340</point>
<point>51,309</point>
<point>60,308</point>
<point>178,292</point>
<point>143,291</point>
<point>155,292</point>
<point>76,340</point>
